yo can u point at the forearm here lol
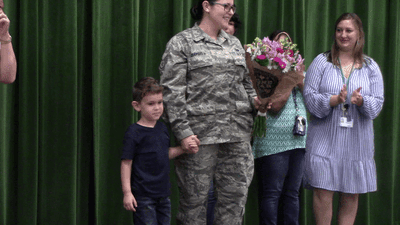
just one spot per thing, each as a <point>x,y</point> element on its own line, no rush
<point>248,86</point>
<point>372,102</point>
<point>334,100</point>
<point>175,152</point>
<point>126,168</point>
<point>371,106</point>
<point>173,75</point>
<point>8,64</point>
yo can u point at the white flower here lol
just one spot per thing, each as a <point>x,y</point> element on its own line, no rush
<point>249,50</point>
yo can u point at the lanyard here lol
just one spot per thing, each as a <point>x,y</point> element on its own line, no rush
<point>345,106</point>
<point>343,78</point>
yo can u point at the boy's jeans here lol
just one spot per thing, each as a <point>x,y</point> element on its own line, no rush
<point>152,211</point>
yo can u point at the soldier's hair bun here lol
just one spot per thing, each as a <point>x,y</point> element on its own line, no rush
<point>197,10</point>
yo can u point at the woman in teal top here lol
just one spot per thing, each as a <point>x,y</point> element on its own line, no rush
<point>279,159</point>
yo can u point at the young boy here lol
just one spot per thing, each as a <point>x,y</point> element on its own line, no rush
<point>145,158</point>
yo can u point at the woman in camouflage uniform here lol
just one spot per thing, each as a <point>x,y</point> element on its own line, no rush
<point>207,92</point>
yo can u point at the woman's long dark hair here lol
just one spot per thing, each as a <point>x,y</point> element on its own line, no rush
<point>278,33</point>
<point>197,10</point>
<point>358,50</point>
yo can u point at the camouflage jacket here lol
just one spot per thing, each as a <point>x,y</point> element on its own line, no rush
<point>207,90</point>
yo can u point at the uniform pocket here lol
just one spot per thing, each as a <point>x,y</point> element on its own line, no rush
<point>200,110</point>
<point>243,107</point>
<point>199,60</point>
<point>240,62</point>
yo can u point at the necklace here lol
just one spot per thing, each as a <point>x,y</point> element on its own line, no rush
<point>345,74</point>
<point>347,70</point>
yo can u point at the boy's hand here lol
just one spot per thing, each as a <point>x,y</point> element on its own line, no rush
<point>185,143</point>
<point>130,202</point>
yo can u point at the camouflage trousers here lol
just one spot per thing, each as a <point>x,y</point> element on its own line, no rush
<point>231,166</point>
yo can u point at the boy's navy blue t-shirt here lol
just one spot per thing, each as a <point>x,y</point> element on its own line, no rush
<point>148,149</point>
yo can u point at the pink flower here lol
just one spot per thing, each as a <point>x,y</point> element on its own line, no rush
<point>280,50</point>
<point>300,60</point>
<point>291,53</point>
<point>280,62</point>
<point>261,57</point>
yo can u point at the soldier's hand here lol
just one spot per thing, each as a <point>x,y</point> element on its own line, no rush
<point>257,102</point>
<point>185,143</point>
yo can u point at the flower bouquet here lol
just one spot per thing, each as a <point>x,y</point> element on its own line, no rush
<point>275,68</point>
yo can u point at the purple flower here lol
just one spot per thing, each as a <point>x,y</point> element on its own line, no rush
<point>291,53</point>
<point>282,65</point>
<point>261,57</point>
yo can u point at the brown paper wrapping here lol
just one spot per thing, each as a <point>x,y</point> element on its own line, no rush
<point>271,85</point>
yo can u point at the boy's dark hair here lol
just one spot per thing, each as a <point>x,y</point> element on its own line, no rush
<point>144,86</point>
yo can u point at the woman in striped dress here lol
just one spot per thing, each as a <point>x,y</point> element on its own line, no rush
<point>343,92</point>
<point>8,63</point>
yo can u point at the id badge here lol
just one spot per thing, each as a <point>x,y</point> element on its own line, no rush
<point>346,123</point>
<point>343,121</point>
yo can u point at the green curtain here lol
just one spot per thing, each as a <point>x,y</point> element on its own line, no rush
<point>63,120</point>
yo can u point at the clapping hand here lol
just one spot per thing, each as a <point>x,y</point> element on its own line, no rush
<point>343,94</point>
<point>4,25</point>
<point>356,97</point>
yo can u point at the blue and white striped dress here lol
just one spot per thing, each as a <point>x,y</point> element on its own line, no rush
<point>338,158</point>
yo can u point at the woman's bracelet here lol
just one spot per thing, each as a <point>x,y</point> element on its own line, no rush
<point>7,41</point>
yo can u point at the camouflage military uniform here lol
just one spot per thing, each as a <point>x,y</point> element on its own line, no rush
<point>207,92</point>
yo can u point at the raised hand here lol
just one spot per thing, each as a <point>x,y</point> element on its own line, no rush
<point>356,97</point>
<point>343,94</point>
<point>4,25</point>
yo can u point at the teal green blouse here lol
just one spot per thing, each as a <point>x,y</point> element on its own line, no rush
<point>279,136</point>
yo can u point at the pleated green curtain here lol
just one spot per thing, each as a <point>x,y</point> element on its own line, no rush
<point>63,120</point>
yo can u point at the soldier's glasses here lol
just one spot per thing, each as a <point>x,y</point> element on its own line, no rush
<point>228,7</point>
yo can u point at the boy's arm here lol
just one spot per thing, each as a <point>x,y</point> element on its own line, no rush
<point>174,152</point>
<point>129,200</point>
<point>177,151</point>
